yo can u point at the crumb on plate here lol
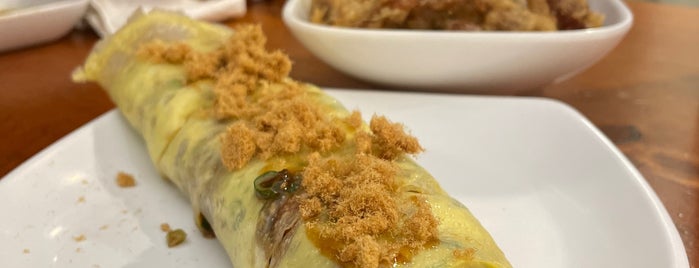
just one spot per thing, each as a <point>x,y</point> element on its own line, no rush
<point>175,237</point>
<point>165,227</point>
<point>79,238</point>
<point>125,180</point>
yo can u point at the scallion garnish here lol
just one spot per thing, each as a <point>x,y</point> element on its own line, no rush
<point>271,184</point>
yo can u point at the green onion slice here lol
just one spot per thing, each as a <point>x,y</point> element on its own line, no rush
<point>271,184</point>
<point>264,183</point>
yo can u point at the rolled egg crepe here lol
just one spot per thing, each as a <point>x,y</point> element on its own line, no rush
<point>281,173</point>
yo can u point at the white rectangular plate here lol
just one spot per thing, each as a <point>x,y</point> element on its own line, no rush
<point>551,189</point>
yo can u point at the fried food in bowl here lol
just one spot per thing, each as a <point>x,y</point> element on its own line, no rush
<point>483,60</point>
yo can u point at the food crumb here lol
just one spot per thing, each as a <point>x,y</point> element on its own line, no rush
<point>125,180</point>
<point>104,227</point>
<point>78,250</point>
<point>81,199</point>
<point>25,251</point>
<point>165,227</point>
<point>84,182</point>
<point>79,238</point>
<point>466,254</point>
<point>175,237</point>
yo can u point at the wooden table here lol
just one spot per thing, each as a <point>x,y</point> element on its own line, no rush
<point>644,96</point>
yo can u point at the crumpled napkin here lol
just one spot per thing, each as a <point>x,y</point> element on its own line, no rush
<point>107,16</point>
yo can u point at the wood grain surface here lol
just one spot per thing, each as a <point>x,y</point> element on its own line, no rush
<point>644,96</point>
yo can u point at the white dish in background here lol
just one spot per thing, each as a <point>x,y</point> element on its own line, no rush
<point>550,188</point>
<point>31,22</point>
<point>459,60</point>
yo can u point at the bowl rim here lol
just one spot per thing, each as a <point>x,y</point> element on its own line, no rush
<point>46,7</point>
<point>289,15</point>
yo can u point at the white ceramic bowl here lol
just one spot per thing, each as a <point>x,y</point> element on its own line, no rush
<point>460,61</point>
<point>31,22</point>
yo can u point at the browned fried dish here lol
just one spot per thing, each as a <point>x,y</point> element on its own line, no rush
<point>468,15</point>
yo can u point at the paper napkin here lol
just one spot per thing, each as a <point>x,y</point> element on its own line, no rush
<point>107,16</point>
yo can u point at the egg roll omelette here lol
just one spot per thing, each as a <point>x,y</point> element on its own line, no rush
<point>276,169</point>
